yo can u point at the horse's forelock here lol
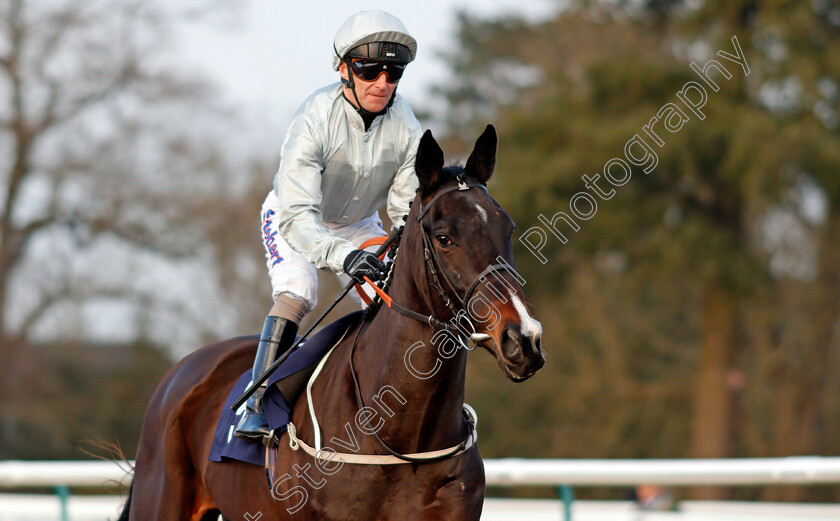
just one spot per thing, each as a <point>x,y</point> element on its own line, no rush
<point>451,173</point>
<point>447,174</point>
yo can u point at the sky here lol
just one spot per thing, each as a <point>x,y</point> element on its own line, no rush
<point>272,54</point>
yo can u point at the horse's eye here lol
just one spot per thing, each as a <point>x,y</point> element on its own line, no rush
<point>443,240</point>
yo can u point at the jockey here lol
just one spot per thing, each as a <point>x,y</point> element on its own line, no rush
<point>350,149</point>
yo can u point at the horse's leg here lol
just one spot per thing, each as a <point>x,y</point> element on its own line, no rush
<point>175,440</point>
<point>242,492</point>
<point>459,489</point>
<point>167,486</point>
<point>178,500</point>
<point>454,501</point>
<point>204,508</point>
<point>162,479</point>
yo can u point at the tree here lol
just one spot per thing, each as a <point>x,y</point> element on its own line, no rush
<point>114,177</point>
<point>674,279</point>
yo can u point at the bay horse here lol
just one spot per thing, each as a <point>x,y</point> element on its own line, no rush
<point>455,239</point>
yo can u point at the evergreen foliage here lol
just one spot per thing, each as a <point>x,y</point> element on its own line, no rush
<point>695,313</point>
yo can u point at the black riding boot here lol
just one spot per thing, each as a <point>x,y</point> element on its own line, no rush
<point>277,336</point>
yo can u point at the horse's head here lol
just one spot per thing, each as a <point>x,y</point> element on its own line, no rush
<point>466,239</point>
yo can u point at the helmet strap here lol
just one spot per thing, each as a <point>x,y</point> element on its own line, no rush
<point>363,112</point>
<point>349,81</point>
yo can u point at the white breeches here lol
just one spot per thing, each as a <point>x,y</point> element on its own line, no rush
<point>291,273</point>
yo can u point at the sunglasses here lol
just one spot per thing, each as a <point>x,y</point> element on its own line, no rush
<point>368,70</point>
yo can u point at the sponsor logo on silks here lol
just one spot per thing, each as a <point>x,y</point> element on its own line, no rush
<point>269,239</point>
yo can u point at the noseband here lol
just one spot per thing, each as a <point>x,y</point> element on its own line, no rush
<point>434,275</point>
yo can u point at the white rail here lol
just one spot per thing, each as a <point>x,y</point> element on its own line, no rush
<point>799,470</point>
<point>28,474</point>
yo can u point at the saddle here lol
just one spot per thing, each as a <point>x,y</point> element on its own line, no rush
<point>288,381</point>
<point>284,387</point>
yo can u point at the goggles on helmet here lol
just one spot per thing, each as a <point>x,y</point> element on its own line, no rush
<point>381,51</point>
<point>369,70</point>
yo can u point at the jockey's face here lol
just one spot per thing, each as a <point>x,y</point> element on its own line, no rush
<point>374,95</point>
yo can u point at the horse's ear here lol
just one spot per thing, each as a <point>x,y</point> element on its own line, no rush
<point>483,158</point>
<point>429,162</point>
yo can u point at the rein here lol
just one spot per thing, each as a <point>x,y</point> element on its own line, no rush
<point>256,383</point>
<point>433,274</point>
<point>422,457</point>
<point>394,458</point>
<point>434,281</point>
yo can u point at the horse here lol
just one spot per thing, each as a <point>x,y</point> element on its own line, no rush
<point>392,388</point>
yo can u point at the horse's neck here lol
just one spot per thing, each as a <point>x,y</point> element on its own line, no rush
<point>420,405</point>
<point>400,354</point>
<point>403,354</point>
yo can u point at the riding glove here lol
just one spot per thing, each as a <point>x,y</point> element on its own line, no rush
<point>360,263</point>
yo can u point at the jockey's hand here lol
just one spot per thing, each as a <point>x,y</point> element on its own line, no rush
<point>360,263</point>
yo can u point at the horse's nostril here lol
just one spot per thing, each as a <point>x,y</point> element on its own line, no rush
<point>512,342</point>
<point>531,348</point>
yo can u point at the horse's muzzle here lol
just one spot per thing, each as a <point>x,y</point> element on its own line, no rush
<point>521,356</point>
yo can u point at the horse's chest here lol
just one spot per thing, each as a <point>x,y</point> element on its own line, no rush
<point>402,492</point>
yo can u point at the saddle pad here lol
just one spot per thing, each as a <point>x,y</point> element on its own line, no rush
<point>277,411</point>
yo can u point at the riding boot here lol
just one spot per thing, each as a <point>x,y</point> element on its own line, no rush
<point>277,337</point>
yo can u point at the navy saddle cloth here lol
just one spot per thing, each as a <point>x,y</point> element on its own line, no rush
<point>277,411</point>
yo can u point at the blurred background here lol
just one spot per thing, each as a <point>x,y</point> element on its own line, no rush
<point>696,315</point>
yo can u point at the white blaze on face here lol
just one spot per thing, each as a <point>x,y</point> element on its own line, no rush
<point>482,211</point>
<point>530,327</point>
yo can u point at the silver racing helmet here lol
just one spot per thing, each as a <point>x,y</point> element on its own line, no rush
<point>381,40</point>
<point>374,35</point>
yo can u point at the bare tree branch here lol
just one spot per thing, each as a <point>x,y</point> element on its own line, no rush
<point>130,184</point>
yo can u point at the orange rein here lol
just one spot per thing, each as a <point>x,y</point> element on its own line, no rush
<point>376,241</point>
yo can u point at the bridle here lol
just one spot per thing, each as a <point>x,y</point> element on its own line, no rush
<point>434,275</point>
